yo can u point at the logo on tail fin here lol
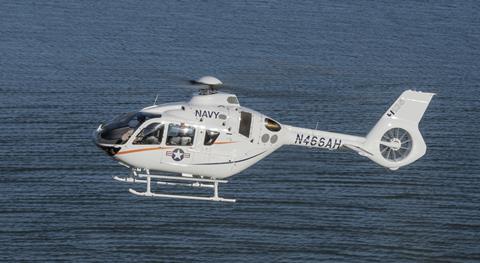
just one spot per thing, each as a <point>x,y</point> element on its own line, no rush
<point>396,107</point>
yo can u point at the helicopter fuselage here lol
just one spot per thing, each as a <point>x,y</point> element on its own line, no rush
<point>211,136</point>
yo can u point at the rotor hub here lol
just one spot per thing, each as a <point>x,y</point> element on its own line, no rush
<point>396,144</point>
<point>210,84</point>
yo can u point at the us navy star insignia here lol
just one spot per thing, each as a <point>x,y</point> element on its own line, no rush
<point>178,154</point>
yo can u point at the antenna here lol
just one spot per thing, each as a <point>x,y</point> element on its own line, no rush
<point>155,102</point>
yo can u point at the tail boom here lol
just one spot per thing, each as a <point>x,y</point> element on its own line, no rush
<point>395,140</point>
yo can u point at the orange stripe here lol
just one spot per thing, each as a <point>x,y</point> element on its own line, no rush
<point>143,150</point>
<point>223,142</point>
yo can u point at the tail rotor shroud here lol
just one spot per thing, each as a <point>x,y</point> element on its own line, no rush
<point>395,144</point>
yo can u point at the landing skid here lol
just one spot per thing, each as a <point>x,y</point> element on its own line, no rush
<point>148,179</point>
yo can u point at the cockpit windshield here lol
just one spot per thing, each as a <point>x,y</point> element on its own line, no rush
<point>120,129</point>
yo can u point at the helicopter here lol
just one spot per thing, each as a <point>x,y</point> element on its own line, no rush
<point>212,137</point>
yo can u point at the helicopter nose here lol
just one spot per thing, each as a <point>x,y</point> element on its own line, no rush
<point>109,149</point>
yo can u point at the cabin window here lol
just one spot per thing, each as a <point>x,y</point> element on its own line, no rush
<point>152,134</point>
<point>181,135</point>
<point>272,125</point>
<point>210,137</point>
<point>245,123</point>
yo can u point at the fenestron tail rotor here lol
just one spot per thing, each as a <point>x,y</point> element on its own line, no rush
<point>395,144</point>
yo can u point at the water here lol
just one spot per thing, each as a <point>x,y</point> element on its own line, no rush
<point>65,66</point>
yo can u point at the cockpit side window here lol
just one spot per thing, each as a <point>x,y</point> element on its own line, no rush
<point>210,137</point>
<point>152,134</point>
<point>245,123</point>
<point>121,128</point>
<point>182,135</point>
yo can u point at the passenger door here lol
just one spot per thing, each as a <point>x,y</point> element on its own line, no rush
<point>215,147</point>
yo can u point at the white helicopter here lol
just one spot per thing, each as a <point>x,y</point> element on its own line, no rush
<point>211,137</point>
